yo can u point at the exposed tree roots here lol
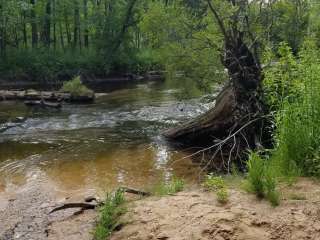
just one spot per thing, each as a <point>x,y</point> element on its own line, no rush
<point>238,121</point>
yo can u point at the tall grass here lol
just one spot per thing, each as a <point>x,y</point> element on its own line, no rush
<point>171,187</point>
<point>109,214</point>
<point>298,121</point>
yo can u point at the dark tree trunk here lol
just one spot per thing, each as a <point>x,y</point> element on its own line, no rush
<point>86,31</point>
<point>66,20</point>
<point>76,24</point>
<point>34,29</point>
<point>46,35</point>
<point>24,30</point>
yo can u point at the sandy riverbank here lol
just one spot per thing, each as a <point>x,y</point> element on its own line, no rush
<point>191,214</point>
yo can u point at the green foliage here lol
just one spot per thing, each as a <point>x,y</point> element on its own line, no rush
<point>184,43</point>
<point>173,186</point>
<point>281,81</point>
<point>261,179</point>
<point>256,169</point>
<point>298,120</point>
<point>76,88</point>
<point>109,215</point>
<point>218,185</point>
<point>222,195</point>
<point>214,183</point>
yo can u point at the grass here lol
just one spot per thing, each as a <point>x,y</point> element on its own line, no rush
<point>76,88</point>
<point>297,119</point>
<point>109,215</point>
<point>173,186</point>
<point>255,177</point>
<point>261,179</point>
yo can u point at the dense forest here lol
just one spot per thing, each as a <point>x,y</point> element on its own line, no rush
<point>52,40</point>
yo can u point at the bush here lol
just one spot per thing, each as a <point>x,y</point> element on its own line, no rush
<point>76,88</point>
<point>261,179</point>
<point>214,183</point>
<point>222,195</point>
<point>298,120</point>
<point>256,171</point>
<point>109,215</point>
<point>171,187</point>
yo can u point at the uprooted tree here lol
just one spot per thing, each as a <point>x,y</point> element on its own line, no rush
<point>237,122</point>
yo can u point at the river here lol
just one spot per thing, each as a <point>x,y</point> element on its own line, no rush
<point>96,147</point>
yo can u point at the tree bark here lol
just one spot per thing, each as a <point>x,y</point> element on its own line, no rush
<point>34,29</point>
<point>86,31</point>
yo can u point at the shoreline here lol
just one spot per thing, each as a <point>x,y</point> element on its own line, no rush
<point>190,214</point>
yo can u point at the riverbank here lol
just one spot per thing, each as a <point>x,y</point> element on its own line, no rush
<point>25,214</point>
<point>95,82</point>
<point>196,214</point>
<point>191,214</point>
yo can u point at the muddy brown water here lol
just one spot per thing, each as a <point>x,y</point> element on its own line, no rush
<point>90,149</point>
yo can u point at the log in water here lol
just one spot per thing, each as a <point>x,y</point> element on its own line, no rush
<point>32,95</point>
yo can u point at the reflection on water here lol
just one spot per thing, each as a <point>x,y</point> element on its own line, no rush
<point>115,141</point>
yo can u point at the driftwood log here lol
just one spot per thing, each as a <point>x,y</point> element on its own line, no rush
<point>43,104</point>
<point>237,122</point>
<point>32,95</point>
<point>93,202</point>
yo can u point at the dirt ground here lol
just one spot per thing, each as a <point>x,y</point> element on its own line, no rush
<point>25,214</point>
<point>197,215</point>
<point>192,214</point>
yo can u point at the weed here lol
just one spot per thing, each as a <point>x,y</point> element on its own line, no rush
<point>173,186</point>
<point>214,183</point>
<point>256,170</point>
<point>222,195</point>
<point>109,215</point>
<point>270,185</point>
<point>75,87</point>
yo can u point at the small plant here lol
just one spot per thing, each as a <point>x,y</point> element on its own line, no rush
<point>222,195</point>
<point>109,215</point>
<point>270,188</point>
<point>171,187</point>
<point>261,179</point>
<point>76,88</point>
<point>256,170</point>
<point>214,183</point>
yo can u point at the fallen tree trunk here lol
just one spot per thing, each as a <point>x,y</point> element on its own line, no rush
<point>238,120</point>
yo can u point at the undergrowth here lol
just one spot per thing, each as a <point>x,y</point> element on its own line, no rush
<point>293,91</point>
<point>218,185</point>
<point>75,87</point>
<point>109,215</point>
<point>173,186</point>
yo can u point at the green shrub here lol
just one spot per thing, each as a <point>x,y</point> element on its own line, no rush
<point>298,119</point>
<point>109,215</point>
<point>262,179</point>
<point>256,171</point>
<point>222,195</point>
<point>76,88</point>
<point>214,183</point>
<point>173,186</point>
<point>270,185</point>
